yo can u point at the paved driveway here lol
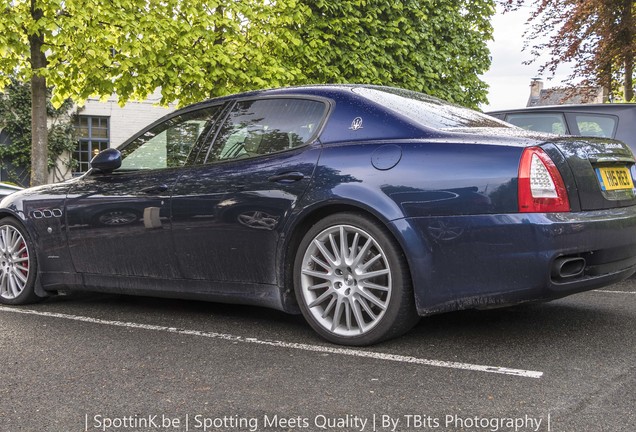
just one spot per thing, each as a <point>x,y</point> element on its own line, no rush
<point>91,362</point>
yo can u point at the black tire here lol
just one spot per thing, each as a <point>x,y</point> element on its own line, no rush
<point>371,286</point>
<point>18,264</point>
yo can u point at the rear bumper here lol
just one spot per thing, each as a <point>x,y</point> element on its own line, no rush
<point>462,262</point>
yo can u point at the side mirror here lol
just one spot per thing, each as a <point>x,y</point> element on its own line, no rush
<point>107,160</point>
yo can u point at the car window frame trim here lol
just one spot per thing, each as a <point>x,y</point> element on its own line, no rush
<point>314,138</point>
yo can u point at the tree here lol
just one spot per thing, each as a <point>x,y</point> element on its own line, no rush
<point>598,36</point>
<point>15,121</point>
<point>194,49</point>
<point>433,46</point>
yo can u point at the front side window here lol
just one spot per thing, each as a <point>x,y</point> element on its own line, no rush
<point>168,144</point>
<point>596,125</point>
<point>260,127</point>
<point>539,122</point>
<point>93,136</point>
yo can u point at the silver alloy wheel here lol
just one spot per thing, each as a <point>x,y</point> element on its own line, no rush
<point>346,280</point>
<point>14,262</point>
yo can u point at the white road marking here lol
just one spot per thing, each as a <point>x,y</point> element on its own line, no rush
<point>616,292</point>
<point>290,345</point>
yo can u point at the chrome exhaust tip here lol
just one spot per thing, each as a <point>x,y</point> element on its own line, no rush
<point>568,267</point>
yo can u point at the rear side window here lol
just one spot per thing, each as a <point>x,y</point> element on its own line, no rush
<point>426,110</point>
<point>540,122</point>
<point>596,125</point>
<point>260,127</point>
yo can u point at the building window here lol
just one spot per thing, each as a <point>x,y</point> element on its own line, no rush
<point>93,136</point>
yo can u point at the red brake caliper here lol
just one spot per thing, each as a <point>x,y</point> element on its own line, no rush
<point>25,254</point>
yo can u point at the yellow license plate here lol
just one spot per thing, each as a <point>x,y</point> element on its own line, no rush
<point>615,178</point>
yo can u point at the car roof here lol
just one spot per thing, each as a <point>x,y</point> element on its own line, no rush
<point>324,90</point>
<point>599,108</point>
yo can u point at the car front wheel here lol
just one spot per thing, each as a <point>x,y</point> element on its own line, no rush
<point>18,265</point>
<point>352,281</point>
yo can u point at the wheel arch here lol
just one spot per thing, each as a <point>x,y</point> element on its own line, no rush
<point>303,222</point>
<point>24,222</point>
<point>6,213</point>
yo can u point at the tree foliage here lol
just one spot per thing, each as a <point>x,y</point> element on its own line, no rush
<point>597,36</point>
<point>434,46</point>
<point>194,49</point>
<point>191,48</point>
<point>15,121</point>
<point>198,48</point>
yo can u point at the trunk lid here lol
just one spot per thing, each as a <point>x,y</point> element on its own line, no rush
<point>599,173</point>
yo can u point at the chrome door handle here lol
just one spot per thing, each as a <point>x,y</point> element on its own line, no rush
<point>155,189</point>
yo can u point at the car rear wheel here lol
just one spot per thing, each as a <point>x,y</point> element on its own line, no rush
<point>352,281</point>
<point>18,266</point>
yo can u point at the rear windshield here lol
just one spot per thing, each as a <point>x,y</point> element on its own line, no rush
<point>426,110</point>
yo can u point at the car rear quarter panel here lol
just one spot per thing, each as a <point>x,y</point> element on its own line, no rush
<point>417,189</point>
<point>452,206</point>
<point>417,178</point>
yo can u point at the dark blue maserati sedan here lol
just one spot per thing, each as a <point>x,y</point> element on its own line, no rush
<point>361,207</point>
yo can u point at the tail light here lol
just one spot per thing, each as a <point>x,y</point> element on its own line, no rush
<point>541,187</point>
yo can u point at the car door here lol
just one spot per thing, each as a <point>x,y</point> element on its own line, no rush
<point>119,223</point>
<point>229,213</point>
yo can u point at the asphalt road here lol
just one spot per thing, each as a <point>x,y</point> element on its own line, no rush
<point>91,362</point>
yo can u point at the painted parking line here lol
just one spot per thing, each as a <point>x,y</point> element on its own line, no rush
<point>289,345</point>
<point>615,292</point>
